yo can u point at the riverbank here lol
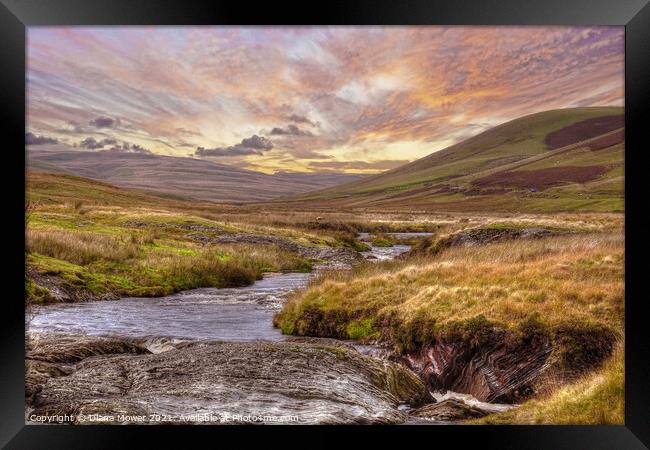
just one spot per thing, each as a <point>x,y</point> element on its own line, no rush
<point>506,321</point>
<point>90,241</point>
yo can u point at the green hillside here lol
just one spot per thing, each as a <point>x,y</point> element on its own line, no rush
<point>560,160</point>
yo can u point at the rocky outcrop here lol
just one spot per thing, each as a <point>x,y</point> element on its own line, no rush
<point>299,381</point>
<point>492,373</point>
<point>55,355</point>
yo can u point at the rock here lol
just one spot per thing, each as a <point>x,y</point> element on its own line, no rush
<point>55,355</point>
<point>329,254</point>
<point>481,236</point>
<point>450,410</point>
<point>312,380</point>
<point>72,348</point>
<point>58,291</point>
<point>492,373</point>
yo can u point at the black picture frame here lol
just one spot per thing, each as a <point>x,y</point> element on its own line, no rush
<point>16,15</point>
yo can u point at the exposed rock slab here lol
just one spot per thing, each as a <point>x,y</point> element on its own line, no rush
<point>313,380</point>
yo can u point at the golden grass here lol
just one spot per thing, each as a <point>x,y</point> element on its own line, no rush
<point>145,262</point>
<point>597,399</point>
<point>80,247</point>
<point>561,279</point>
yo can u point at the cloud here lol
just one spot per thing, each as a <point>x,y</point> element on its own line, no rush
<point>91,143</point>
<point>32,139</point>
<point>352,87</point>
<point>254,145</point>
<point>129,148</point>
<point>104,122</point>
<point>297,118</point>
<point>185,132</point>
<point>290,130</point>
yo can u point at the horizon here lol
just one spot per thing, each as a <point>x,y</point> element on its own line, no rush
<point>307,99</point>
<point>60,147</point>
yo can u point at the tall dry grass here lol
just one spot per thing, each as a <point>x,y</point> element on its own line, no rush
<point>80,247</point>
<point>148,263</point>
<point>563,279</point>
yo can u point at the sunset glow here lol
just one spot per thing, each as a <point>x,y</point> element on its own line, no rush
<point>355,99</point>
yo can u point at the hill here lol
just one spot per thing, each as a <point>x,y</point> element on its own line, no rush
<point>179,176</point>
<point>559,160</point>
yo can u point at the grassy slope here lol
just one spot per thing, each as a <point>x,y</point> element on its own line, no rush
<point>504,147</point>
<point>563,281</point>
<point>96,237</point>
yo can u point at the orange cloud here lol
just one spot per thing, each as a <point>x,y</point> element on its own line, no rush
<point>368,94</point>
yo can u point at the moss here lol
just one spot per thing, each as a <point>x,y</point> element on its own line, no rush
<point>362,330</point>
<point>348,240</point>
<point>36,294</point>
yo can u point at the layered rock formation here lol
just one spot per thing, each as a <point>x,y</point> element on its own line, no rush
<point>491,373</point>
<point>300,381</point>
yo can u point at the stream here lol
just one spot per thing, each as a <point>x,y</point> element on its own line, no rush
<point>240,314</point>
<point>228,314</point>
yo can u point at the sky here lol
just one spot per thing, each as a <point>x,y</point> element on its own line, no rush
<point>349,99</point>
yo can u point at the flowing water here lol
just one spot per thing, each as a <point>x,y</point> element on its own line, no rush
<point>231,314</point>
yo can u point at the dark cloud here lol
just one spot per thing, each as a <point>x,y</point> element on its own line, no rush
<point>91,143</point>
<point>129,148</point>
<point>290,130</point>
<point>300,119</point>
<point>254,145</point>
<point>32,139</point>
<point>104,122</point>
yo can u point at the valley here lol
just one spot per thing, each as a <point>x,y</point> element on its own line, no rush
<point>481,284</point>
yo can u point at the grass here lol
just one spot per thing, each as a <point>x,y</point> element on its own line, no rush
<point>150,270</point>
<point>382,240</point>
<point>95,238</point>
<point>597,399</point>
<point>570,287</point>
<point>81,248</point>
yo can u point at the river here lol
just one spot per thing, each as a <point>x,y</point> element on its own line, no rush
<point>230,314</point>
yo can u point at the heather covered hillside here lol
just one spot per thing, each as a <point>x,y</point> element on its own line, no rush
<point>559,160</point>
